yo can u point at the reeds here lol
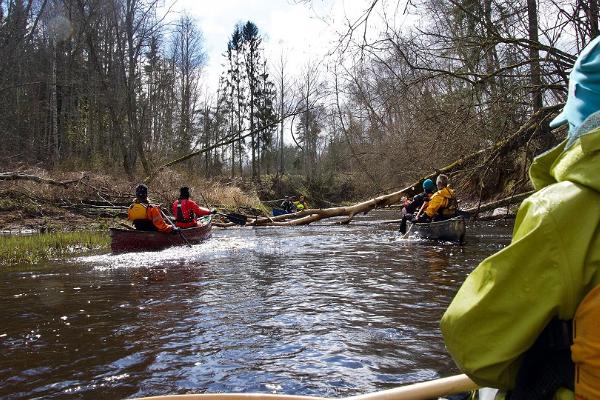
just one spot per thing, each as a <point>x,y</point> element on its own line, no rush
<point>33,249</point>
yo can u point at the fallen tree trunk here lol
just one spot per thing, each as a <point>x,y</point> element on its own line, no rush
<point>505,202</point>
<point>9,176</point>
<point>312,215</point>
<point>308,216</point>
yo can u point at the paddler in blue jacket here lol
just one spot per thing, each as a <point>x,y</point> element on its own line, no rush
<point>418,200</point>
<point>527,319</point>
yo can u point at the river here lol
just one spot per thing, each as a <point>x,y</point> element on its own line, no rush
<point>324,310</point>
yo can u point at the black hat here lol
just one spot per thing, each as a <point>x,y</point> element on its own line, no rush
<point>141,191</point>
<point>184,192</point>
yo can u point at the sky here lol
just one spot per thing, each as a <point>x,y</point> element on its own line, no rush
<point>304,32</point>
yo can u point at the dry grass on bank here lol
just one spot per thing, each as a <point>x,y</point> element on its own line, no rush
<point>25,204</point>
<point>165,188</point>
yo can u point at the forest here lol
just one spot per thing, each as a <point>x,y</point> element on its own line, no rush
<point>117,87</point>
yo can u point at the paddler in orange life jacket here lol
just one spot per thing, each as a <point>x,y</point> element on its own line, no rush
<point>187,211</point>
<point>527,319</point>
<point>145,216</point>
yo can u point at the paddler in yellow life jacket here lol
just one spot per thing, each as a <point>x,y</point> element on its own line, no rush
<point>527,319</point>
<point>301,203</point>
<point>147,217</point>
<point>443,203</point>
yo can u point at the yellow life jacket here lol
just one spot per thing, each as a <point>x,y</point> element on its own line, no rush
<point>447,206</point>
<point>137,211</point>
<point>585,350</point>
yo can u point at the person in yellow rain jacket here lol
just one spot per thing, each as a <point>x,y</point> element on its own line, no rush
<point>145,216</point>
<point>301,203</point>
<point>443,204</point>
<point>527,319</point>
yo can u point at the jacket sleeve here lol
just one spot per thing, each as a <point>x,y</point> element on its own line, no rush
<point>158,221</point>
<point>505,303</point>
<point>199,211</point>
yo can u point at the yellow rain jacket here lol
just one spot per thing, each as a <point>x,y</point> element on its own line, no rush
<point>300,205</point>
<point>441,200</point>
<point>551,264</point>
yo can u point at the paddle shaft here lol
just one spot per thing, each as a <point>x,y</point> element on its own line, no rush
<point>417,217</point>
<point>417,391</point>
<point>187,242</point>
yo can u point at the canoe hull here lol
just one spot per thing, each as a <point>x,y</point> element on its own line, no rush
<point>128,240</point>
<point>279,211</point>
<point>452,230</point>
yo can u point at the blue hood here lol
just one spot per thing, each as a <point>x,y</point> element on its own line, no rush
<point>584,90</point>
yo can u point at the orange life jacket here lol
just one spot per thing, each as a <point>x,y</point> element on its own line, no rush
<point>585,350</point>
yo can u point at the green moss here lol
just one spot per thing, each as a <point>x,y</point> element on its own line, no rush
<point>33,249</point>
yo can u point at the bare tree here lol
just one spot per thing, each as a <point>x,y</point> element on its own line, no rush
<point>189,58</point>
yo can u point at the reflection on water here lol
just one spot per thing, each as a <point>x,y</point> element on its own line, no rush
<point>319,310</point>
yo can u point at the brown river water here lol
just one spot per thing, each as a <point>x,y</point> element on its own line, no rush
<point>323,310</point>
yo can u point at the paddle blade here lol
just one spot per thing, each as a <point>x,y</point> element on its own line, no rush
<point>237,219</point>
<point>403,225</point>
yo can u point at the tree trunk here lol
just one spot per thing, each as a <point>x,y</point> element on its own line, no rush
<point>281,127</point>
<point>55,146</point>
<point>593,17</point>
<point>534,55</point>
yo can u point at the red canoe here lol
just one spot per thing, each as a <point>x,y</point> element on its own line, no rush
<point>124,240</point>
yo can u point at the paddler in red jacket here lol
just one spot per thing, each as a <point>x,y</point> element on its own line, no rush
<point>187,211</point>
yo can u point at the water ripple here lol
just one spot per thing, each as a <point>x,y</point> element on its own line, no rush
<point>317,310</point>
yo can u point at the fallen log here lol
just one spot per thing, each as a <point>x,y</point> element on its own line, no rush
<point>308,216</point>
<point>9,176</point>
<point>505,202</point>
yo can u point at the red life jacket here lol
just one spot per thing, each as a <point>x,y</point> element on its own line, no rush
<point>185,214</point>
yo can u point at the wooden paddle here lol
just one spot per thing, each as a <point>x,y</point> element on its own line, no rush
<point>423,390</point>
<point>416,218</point>
<point>187,242</point>
<point>417,391</point>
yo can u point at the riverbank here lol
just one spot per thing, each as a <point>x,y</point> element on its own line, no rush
<point>36,200</point>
